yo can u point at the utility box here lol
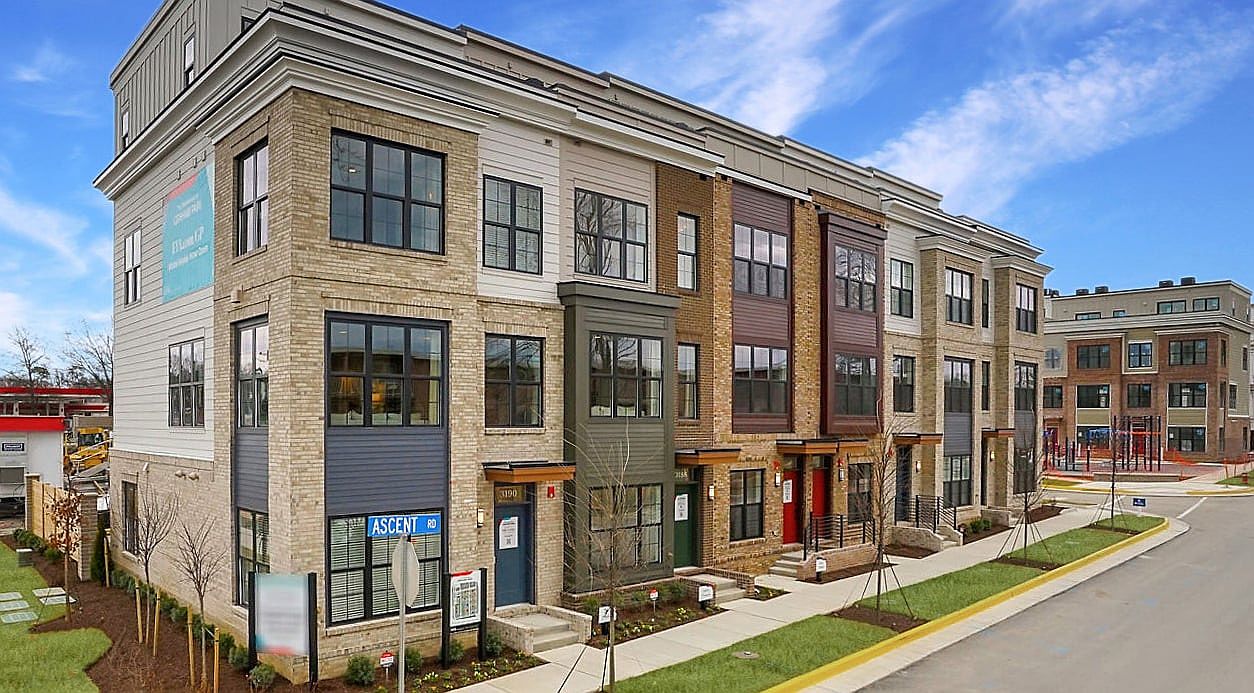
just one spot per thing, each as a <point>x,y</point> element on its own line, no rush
<point>25,557</point>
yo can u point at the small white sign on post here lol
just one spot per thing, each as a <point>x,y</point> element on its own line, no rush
<point>820,565</point>
<point>606,614</point>
<point>507,533</point>
<point>387,659</point>
<point>705,593</point>
<point>464,599</point>
<point>681,507</point>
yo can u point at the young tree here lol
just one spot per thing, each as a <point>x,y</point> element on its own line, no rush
<point>67,523</point>
<point>28,362</point>
<point>1028,493</point>
<point>88,357</point>
<point>155,521</point>
<point>882,449</point>
<point>200,560</point>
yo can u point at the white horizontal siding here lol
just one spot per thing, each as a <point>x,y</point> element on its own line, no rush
<point>901,245</point>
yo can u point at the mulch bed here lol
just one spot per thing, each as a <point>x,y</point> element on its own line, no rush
<point>1027,563</point>
<point>764,594</point>
<point>976,536</point>
<point>885,619</point>
<point>833,575</point>
<point>907,551</point>
<point>639,621</point>
<point>1044,512</point>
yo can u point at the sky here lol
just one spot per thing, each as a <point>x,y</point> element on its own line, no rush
<point>1115,134</point>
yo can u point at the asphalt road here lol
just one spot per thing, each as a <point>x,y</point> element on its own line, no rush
<point>1180,617</point>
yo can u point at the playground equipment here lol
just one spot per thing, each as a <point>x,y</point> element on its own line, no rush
<point>1130,443</point>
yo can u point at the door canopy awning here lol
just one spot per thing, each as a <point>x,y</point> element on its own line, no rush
<point>997,433</point>
<point>705,457</point>
<point>919,438</point>
<point>529,472</point>
<point>822,446</point>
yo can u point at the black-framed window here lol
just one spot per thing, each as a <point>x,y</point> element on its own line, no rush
<point>1025,471</point>
<point>1025,309</point>
<point>958,385</point>
<point>1189,352</point>
<point>986,292</point>
<point>512,222</point>
<point>1119,313</point>
<point>1089,315</point>
<point>1232,396</point>
<point>1186,438</point>
<point>387,194</point>
<point>1053,358</point>
<point>1140,395</point>
<point>759,380</point>
<point>956,480</point>
<point>252,549</point>
<point>858,497</point>
<point>746,504</point>
<point>252,375</point>
<point>252,199</point>
<point>688,394</point>
<point>611,237</point>
<point>1245,358</point>
<point>986,385</point>
<point>1092,396</point>
<point>359,585</point>
<point>903,383</point>
<point>1186,395</point>
<point>760,265</point>
<point>189,60</point>
<point>132,258</point>
<point>686,235</point>
<point>626,376</point>
<point>1223,352</point>
<point>857,385</point>
<point>1171,307</point>
<point>1209,303</point>
<point>1140,355</point>
<point>857,279</point>
<point>958,295</point>
<point>513,375</point>
<point>901,288</point>
<point>1092,356</point>
<point>627,528</point>
<point>384,373</point>
<point>1025,386</point>
<point>130,517</point>
<point>1052,396</point>
<point>187,384</point>
<point>125,127</point>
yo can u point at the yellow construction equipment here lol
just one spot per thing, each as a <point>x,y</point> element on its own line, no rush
<point>87,443</point>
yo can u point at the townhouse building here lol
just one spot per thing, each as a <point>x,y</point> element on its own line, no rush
<point>367,264</point>
<point>1174,358</point>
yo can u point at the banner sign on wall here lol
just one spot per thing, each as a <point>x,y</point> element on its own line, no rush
<point>187,236</point>
<point>282,618</point>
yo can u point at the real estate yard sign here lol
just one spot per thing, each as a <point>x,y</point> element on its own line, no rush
<point>187,236</point>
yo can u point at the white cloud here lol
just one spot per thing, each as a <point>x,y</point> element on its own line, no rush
<point>53,229</point>
<point>47,63</point>
<point>1070,12</point>
<point>1129,83</point>
<point>13,311</point>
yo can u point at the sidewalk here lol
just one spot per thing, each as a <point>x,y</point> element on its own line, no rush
<point>1206,484</point>
<point>746,618</point>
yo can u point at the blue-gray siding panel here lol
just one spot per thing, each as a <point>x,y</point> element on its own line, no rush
<point>372,470</point>
<point>957,433</point>
<point>252,468</point>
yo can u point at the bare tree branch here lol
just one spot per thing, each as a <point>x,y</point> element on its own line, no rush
<point>28,362</point>
<point>89,359</point>
<point>200,560</point>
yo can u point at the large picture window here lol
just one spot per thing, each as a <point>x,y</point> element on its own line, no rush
<point>252,549</point>
<point>686,247</point>
<point>903,383</point>
<point>761,263</point>
<point>1092,356</point>
<point>626,376</point>
<point>958,386</point>
<point>360,581</point>
<point>1025,309</point>
<point>252,213</point>
<point>857,385</point>
<point>1025,386</point>
<point>1092,396</point>
<point>611,237</point>
<point>958,296</point>
<point>626,530</point>
<point>252,375</point>
<point>956,480</point>
<point>1210,303</point>
<point>511,225</point>
<point>1186,438</point>
<point>1140,354</point>
<point>746,504</point>
<point>855,276</point>
<point>686,370</point>
<point>384,374</point>
<point>1191,352</point>
<point>901,291</point>
<point>1171,307</point>
<point>187,384</point>
<point>386,194</point>
<point>1140,395</point>
<point>513,371</point>
<point>1186,395</point>
<point>759,380</point>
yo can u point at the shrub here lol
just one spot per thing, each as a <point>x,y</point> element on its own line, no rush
<point>413,660</point>
<point>237,657</point>
<point>19,536</point>
<point>360,671</point>
<point>178,614</point>
<point>52,553</point>
<point>590,606</point>
<point>492,646</point>
<point>226,641</point>
<point>261,677</point>
<point>456,650</point>
<point>673,592</point>
<point>638,599</point>
<point>97,557</point>
<point>167,604</point>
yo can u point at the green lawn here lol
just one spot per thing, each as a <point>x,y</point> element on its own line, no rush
<point>785,653</point>
<point>1236,481</point>
<point>1069,546</point>
<point>47,661</point>
<point>1134,523</point>
<point>945,594</point>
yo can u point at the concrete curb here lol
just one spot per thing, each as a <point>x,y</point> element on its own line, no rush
<point>885,647</point>
<point>1187,493</point>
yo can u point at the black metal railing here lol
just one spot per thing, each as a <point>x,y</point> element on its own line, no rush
<point>834,532</point>
<point>931,512</point>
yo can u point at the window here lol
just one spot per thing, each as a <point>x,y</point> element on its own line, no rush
<point>1170,307</point>
<point>130,517</point>
<point>857,385</point>
<point>635,537</point>
<point>855,277</point>
<point>1092,396</point>
<point>1092,356</point>
<point>1140,395</point>
<point>958,296</point>
<point>126,128</point>
<point>400,367</point>
<point>611,237</point>
<point>513,374</point>
<point>386,194</point>
<point>189,61</point>
<point>1025,386</point>
<point>252,549</point>
<point>901,292</point>
<point>1232,396</point>
<point>1093,315</point>
<point>686,365</point>
<point>360,579</point>
<point>1186,438</point>
<point>985,291</point>
<point>1187,353</point>
<point>858,498</point>
<point>957,480</point>
<point>187,384</point>
<point>1223,352</point>
<point>252,207</point>
<point>1052,395</point>
<point>1025,309</point>
<point>686,246</point>
<point>903,383</point>
<point>1140,355</point>
<point>1119,313</point>
<point>246,23</point>
<point>759,380</point>
<point>746,504</point>
<point>626,376</point>
<point>958,386</point>
<point>761,263</point>
<point>986,376</point>
<point>1211,303</point>
<point>1053,358</point>
<point>1186,395</point>
<point>132,257</point>
<point>511,225</point>
<point>252,375</point>
<point>1245,358</point>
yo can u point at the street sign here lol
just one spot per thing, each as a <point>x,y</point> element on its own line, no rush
<point>1138,502</point>
<point>404,559</point>
<point>463,598</point>
<point>387,659</point>
<point>378,526</point>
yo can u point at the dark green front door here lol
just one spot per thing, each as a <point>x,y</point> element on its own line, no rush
<point>685,525</point>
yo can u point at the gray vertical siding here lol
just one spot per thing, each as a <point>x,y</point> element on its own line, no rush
<point>251,468</point>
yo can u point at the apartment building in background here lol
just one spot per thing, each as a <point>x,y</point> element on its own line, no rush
<point>367,264</point>
<point>1176,352</point>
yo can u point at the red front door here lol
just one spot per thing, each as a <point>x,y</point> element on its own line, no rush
<point>819,493</point>
<point>791,489</point>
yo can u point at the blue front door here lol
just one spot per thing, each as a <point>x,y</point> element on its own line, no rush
<point>512,528</point>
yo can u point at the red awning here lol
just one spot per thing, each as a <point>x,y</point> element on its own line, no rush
<point>32,424</point>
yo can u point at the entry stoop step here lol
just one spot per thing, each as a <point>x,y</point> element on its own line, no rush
<point>549,633</point>
<point>787,564</point>
<point>725,589</point>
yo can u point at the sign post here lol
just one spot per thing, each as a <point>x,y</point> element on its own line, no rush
<point>404,564</point>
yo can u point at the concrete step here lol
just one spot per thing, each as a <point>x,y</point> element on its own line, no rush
<point>542,624</point>
<point>788,571</point>
<point>722,596</point>
<point>719,583</point>
<point>552,641</point>
<point>949,544</point>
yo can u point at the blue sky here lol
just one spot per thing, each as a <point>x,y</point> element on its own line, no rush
<point>1116,134</point>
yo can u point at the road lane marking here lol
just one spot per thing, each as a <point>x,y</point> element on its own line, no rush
<point>1191,509</point>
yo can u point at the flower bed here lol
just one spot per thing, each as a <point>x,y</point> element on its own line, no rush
<point>635,622</point>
